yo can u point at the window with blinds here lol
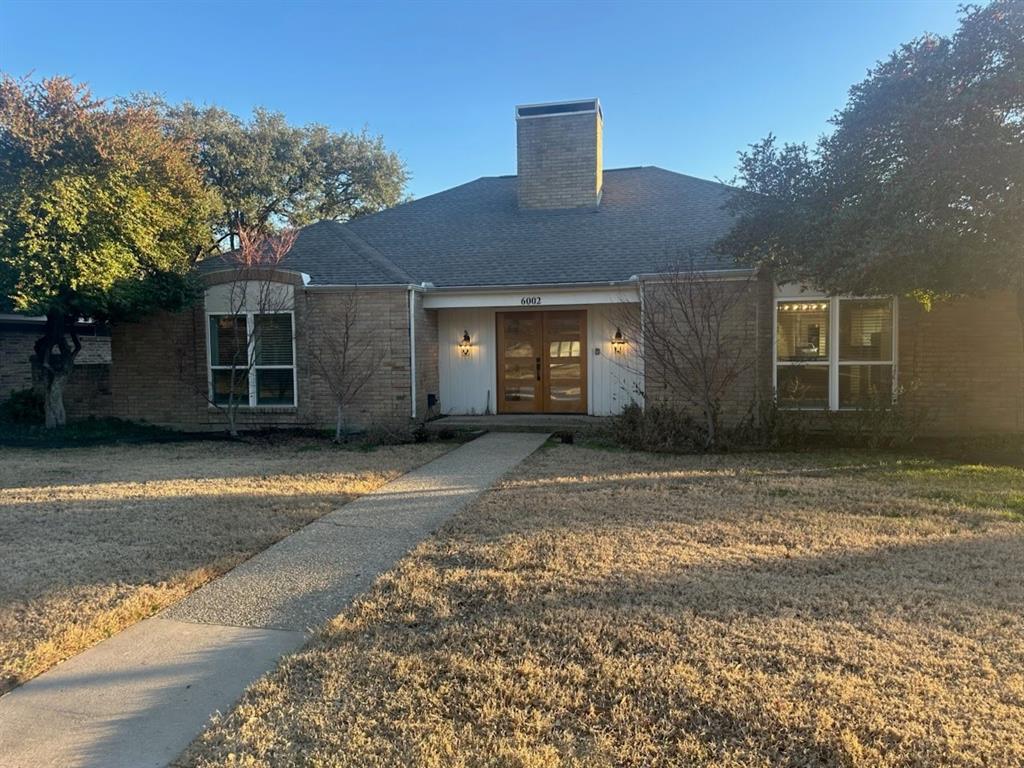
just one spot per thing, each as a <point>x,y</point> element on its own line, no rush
<point>834,353</point>
<point>865,351</point>
<point>252,359</point>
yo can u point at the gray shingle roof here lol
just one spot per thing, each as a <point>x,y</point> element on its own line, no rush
<point>476,235</point>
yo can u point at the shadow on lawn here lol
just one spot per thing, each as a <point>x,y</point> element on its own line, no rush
<point>938,589</point>
<point>933,580</point>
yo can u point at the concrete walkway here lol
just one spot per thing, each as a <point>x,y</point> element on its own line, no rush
<point>139,698</point>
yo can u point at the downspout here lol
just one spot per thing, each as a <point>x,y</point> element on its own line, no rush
<point>642,343</point>
<point>412,350</point>
<point>1020,318</point>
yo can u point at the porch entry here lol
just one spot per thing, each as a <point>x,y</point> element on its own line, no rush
<point>542,362</point>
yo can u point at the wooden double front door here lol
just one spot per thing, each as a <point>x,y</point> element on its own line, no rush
<point>542,362</point>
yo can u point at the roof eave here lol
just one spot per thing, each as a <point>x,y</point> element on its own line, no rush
<point>499,287</point>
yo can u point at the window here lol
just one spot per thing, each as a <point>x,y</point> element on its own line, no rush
<point>865,351</point>
<point>802,349</point>
<point>833,353</point>
<point>252,356</point>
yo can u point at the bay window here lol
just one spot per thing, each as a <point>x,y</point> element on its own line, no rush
<point>252,358</point>
<point>833,353</point>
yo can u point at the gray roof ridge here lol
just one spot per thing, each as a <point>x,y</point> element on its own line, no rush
<point>368,252</point>
<point>658,168</point>
<point>713,182</point>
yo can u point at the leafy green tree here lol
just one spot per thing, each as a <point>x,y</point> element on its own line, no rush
<point>271,174</point>
<point>918,190</point>
<point>102,215</point>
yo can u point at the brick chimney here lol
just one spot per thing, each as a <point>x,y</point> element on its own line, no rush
<point>559,154</point>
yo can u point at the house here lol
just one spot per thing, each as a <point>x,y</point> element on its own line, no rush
<point>88,391</point>
<point>512,294</point>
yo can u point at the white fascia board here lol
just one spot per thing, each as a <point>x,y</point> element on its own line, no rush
<point>532,297</point>
<point>707,274</point>
<point>798,291</point>
<point>357,286</point>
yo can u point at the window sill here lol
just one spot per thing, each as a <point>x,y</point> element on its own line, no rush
<point>822,409</point>
<point>258,408</point>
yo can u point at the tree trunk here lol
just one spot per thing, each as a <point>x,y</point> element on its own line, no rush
<point>51,370</point>
<point>53,402</point>
<point>337,425</point>
<point>710,425</point>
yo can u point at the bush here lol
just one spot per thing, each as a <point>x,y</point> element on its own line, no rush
<point>878,423</point>
<point>658,427</point>
<point>24,406</point>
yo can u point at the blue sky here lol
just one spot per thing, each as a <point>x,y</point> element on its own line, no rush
<point>683,85</point>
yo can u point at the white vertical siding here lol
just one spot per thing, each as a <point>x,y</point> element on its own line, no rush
<point>468,385</point>
<point>614,378</point>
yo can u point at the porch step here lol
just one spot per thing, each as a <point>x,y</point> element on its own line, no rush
<point>519,422</point>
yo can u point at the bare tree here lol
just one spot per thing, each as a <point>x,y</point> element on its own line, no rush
<point>696,336</point>
<point>254,290</point>
<point>345,356</point>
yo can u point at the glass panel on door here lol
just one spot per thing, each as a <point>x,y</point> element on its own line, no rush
<point>564,341</point>
<point>520,361</point>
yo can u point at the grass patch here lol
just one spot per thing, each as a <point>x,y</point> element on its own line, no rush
<point>972,485</point>
<point>629,609</point>
<point>88,432</point>
<point>94,539</point>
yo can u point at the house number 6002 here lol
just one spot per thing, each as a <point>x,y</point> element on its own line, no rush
<point>530,301</point>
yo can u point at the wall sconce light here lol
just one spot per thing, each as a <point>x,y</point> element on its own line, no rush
<point>466,344</point>
<point>618,342</point>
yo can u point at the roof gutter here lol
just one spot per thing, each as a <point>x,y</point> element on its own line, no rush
<point>719,274</point>
<point>513,286</point>
<point>710,274</point>
<point>354,286</point>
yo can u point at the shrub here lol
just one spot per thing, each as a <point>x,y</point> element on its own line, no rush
<point>420,433</point>
<point>24,406</point>
<point>658,427</point>
<point>878,423</point>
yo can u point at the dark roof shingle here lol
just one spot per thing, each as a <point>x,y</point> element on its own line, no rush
<point>476,235</point>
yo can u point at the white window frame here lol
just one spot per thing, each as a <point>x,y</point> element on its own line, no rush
<point>833,363</point>
<point>250,326</point>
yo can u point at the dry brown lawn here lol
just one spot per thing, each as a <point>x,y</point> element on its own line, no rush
<point>620,609</point>
<point>94,539</point>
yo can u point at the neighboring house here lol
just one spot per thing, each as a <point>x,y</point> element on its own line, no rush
<point>89,389</point>
<point>509,294</point>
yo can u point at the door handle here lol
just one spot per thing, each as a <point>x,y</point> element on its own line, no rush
<point>538,369</point>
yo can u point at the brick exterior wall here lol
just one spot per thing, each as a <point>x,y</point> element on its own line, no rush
<point>559,160</point>
<point>747,324</point>
<point>88,392</point>
<point>159,371</point>
<point>428,380</point>
<point>16,347</point>
<point>381,316</point>
<point>962,363</point>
